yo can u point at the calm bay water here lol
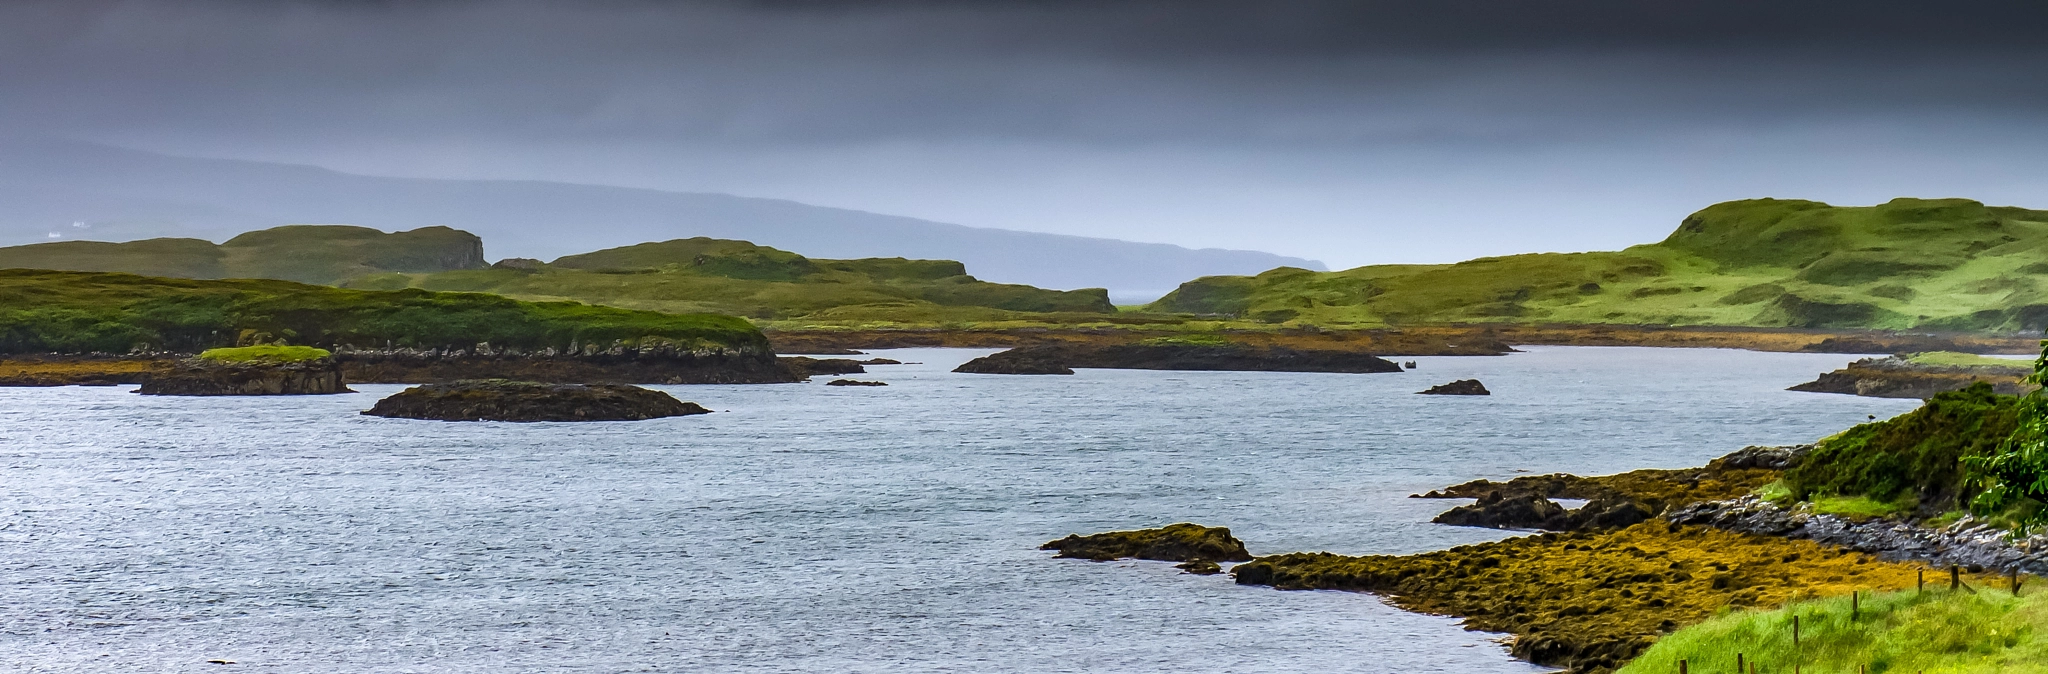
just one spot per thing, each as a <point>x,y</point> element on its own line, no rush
<point>813,529</point>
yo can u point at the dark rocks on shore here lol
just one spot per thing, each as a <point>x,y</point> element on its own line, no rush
<point>196,377</point>
<point>1200,567</point>
<point>616,365</point>
<point>1897,377</point>
<point>805,366</point>
<point>1462,387</point>
<point>1966,543</point>
<point>501,400</point>
<point>1498,510</point>
<point>1061,359</point>
<point>1183,542</point>
<point>881,361</point>
<point>855,382</point>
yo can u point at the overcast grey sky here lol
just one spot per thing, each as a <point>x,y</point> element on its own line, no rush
<point>1352,132</point>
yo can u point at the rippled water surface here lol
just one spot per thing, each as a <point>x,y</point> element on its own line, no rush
<point>808,528</point>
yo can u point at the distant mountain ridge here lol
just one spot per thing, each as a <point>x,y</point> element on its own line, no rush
<point>698,275</point>
<point>86,191</point>
<point>1933,264</point>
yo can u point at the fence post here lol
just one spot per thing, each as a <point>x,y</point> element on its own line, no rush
<point>1681,667</point>
<point>1738,663</point>
<point>1920,580</point>
<point>1855,605</point>
<point>1955,578</point>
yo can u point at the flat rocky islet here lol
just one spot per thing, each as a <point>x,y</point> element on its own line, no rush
<point>1183,542</point>
<point>500,400</point>
<point>1462,387</point>
<point>249,371</point>
<point>855,382</point>
<point>1922,376</point>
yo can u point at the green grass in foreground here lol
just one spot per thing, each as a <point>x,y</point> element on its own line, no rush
<point>1954,359</point>
<point>266,352</point>
<point>1934,632</point>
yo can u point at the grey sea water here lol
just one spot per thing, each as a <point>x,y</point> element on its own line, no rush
<point>806,528</point>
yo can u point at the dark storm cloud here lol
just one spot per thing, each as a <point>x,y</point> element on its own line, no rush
<point>832,72</point>
<point>1339,130</point>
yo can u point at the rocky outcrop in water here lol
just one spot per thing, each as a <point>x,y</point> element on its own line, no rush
<point>805,366</point>
<point>587,365</point>
<point>1183,542</point>
<point>500,400</point>
<point>855,382</point>
<point>197,377</point>
<point>1462,387</point>
<point>1028,360</point>
<point>1966,543</point>
<point>1897,377</point>
<point>1061,358</point>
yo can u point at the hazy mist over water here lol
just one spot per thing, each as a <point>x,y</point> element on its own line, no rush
<point>810,528</point>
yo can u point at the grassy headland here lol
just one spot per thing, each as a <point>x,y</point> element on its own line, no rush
<point>1943,264</point>
<point>83,312</point>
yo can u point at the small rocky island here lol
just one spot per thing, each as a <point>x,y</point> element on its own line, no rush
<point>1173,355</point>
<point>855,382</point>
<point>1197,547</point>
<point>1921,375</point>
<point>502,400</point>
<point>1462,387</point>
<point>250,371</point>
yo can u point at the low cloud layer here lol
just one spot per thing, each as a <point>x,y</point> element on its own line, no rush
<point>1353,132</point>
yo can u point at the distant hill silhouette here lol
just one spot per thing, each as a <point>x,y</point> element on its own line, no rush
<point>117,194</point>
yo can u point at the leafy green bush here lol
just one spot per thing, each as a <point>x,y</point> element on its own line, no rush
<point>1914,456</point>
<point>2014,479</point>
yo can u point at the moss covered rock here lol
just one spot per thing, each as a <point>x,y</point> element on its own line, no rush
<point>1184,542</point>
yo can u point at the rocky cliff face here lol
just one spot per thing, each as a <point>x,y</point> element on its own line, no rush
<point>194,377</point>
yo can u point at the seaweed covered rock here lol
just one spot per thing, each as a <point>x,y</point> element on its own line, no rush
<point>501,400</point>
<point>1183,542</point>
<point>250,371</point>
<point>1462,387</point>
<point>1500,510</point>
<point>855,382</point>
<point>1589,601</point>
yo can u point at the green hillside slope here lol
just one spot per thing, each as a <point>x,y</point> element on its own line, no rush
<point>77,312</point>
<point>306,253</point>
<point>1948,264</point>
<point>736,277</point>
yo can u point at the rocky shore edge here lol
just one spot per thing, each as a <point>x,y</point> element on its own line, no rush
<point>1062,359</point>
<point>1595,590</point>
<point>1898,377</point>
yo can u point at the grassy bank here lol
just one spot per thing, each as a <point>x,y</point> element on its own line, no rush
<point>79,312</point>
<point>1989,631</point>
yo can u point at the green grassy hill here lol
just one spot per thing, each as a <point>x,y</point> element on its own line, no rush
<point>736,277</point>
<point>1947,264</point>
<point>324,254</point>
<point>80,312</point>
